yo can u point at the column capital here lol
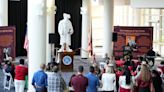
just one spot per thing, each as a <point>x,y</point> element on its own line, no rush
<point>51,9</point>
<point>39,8</point>
<point>83,10</point>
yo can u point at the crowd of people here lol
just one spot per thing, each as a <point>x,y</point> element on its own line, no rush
<point>110,78</point>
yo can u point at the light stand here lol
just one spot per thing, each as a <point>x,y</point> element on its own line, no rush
<point>51,53</point>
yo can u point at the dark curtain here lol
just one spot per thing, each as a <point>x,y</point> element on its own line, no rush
<point>71,7</point>
<point>17,16</point>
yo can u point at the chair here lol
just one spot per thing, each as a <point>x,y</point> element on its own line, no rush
<point>8,83</point>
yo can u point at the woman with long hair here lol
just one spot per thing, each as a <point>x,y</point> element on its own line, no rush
<point>109,80</point>
<point>144,81</point>
<point>126,82</point>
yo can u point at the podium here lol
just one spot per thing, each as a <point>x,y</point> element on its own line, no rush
<point>66,61</point>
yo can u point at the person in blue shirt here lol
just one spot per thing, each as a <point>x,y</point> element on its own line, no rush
<point>39,80</point>
<point>93,80</point>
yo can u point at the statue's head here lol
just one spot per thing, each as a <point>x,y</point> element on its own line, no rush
<point>66,16</point>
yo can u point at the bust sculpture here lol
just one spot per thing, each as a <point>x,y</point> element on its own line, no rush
<point>65,30</point>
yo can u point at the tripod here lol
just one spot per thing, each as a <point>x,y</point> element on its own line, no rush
<point>51,53</point>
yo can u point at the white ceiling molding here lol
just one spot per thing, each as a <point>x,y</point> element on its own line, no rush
<point>147,3</point>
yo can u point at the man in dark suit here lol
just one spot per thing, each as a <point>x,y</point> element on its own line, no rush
<point>151,55</point>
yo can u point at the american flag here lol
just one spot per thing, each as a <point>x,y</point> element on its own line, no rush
<point>26,42</point>
<point>90,47</point>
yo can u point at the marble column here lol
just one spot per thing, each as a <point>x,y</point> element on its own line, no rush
<point>3,12</point>
<point>51,11</point>
<point>108,27</point>
<point>37,37</point>
<point>86,27</point>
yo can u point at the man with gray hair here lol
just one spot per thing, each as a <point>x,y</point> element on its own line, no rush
<point>55,81</point>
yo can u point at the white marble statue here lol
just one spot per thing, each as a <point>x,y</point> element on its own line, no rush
<point>65,30</point>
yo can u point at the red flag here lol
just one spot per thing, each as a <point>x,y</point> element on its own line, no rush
<point>26,42</point>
